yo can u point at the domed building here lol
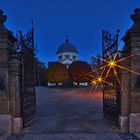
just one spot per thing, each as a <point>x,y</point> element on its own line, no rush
<point>67,53</point>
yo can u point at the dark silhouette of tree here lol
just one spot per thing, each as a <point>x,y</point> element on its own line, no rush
<point>80,71</point>
<point>96,62</point>
<point>57,73</point>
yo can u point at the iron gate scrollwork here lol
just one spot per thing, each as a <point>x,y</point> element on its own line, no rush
<point>27,58</point>
<point>111,88</point>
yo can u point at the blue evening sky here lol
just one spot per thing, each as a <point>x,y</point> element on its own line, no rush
<point>81,20</point>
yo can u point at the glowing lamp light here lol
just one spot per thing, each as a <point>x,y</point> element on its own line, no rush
<point>94,82</point>
<point>100,79</point>
<point>111,63</point>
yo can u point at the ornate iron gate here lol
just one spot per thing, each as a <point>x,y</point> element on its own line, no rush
<point>111,88</point>
<point>27,58</point>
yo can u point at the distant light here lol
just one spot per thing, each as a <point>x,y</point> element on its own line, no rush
<point>112,63</point>
<point>94,82</point>
<point>100,79</point>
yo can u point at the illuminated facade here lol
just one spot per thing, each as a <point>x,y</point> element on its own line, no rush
<point>67,53</point>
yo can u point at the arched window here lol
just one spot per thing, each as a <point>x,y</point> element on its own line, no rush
<point>67,56</point>
<point>74,57</point>
<point>60,57</point>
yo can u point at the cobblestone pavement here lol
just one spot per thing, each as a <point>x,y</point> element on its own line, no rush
<point>70,114</point>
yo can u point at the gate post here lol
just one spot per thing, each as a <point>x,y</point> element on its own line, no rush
<point>130,98</point>
<point>9,81</point>
<point>15,92</point>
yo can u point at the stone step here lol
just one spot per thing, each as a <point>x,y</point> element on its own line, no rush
<point>73,136</point>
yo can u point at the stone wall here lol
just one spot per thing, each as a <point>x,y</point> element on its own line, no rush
<point>130,98</point>
<point>10,108</point>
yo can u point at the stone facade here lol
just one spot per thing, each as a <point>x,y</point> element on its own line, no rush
<point>67,53</point>
<point>67,58</point>
<point>9,80</point>
<point>17,80</point>
<point>130,97</point>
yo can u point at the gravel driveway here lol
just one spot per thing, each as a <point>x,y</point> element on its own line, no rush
<point>70,114</point>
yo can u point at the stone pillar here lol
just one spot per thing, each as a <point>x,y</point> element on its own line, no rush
<point>125,95</point>
<point>130,99</point>
<point>9,81</point>
<point>15,88</point>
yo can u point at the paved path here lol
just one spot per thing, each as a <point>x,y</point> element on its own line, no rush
<point>69,114</point>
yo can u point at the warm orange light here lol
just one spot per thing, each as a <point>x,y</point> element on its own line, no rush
<point>100,79</point>
<point>94,82</point>
<point>111,63</point>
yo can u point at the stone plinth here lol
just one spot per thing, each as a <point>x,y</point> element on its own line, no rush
<point>130,98</point>
<point>124,124</point>
<point>135,122</point>
<point>6,123</point>
<point>17,125</point>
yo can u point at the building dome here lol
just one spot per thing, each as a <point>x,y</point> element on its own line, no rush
<point>67,47</point>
